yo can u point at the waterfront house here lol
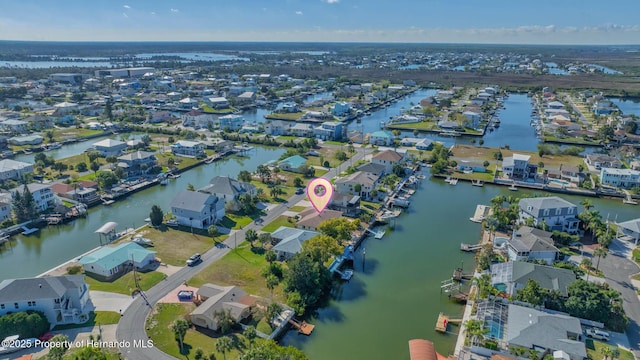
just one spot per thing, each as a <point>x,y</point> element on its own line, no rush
<point>84,191</point>
<point>187,103</point>
<point>247,97</point>
<point>621,178</point>
<point>602,161</point>
<point>509,277</point>
<point>570,173</point>
<point>14,170</point>
<point>376,169</point>
<point>188,148</point>
<point>295,163</point>
<point>62,299</point>
<point>301,130</point>
<point>629,231</point>
<point>381,138</point>
<point>387,158</point>
<point>65,108</point>
<point>367,181</point>
<point>217,102</point>
<point>341,108</point>
<point>310,219</point>
<point>421,349</point>
<point>13,126</point>
<point>517,167</point>
<point>5,211</point>
<point>137,163</point>
<point>196,209</point>
<point>110,262</point>
<point>449,125</point>
<point>604,107</point>
<point>329,130</point>
<point>161,117</point>
<point>466,166</point>
<point>289,241</point>
<point>42,195</point>
<point>228,189</point>
<point>544,332</point>
<point>231,122</point>
<point>217,298</point>
<point>527,244</point>
<point>109,147</point>
<point>473,118</point>
<point>26,140</point>
<point>348,204</point>
<point>555,212</point>
<point>196,119</point>
<point>276,127</point>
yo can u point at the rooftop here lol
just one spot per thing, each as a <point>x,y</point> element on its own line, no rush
<point>49,287</point>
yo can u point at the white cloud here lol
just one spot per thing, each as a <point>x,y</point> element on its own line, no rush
<point>175,10</point>
<point>331,1</point>
<point>153,13</point>
<point>299,12</point>
<point>126,6</point>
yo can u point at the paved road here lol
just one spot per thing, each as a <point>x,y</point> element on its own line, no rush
<point>617,271</point>
<point>131,327</point>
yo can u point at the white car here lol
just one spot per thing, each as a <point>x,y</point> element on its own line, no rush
<point>597,334</point>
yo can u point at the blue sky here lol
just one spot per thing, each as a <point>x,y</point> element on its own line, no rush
<point>462,21</point>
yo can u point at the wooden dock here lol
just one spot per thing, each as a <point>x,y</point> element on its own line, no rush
<point>459,275</point>
<point>304,328</point>
<point>441,324</point>
<point>469,247</point>
<point>482,212</point>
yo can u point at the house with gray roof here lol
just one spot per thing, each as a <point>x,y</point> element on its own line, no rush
<point>290,241</point>
<point>555,212</point>
<point>137,163</point>
<point>228,189</point>
<point>517,167</point>
<point>348,204</point>
<point>529,244</point>
<point>629,230</point>
<point>110,262</point>
<point>12,169</point>
<point>217,298</point>
<point>543,332</point>
<point>511,276</point>
<point>109,147</point>
<point>197,209</point>
<point>62,299</point>
<point>366,181</point>
<point>373,168</point>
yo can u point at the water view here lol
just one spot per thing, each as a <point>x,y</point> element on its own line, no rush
<point>628,107</point>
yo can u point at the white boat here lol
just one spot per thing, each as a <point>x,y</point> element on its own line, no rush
<point>172,223</point>
<point>142,241</point>
<point>10,344</point>
<point>477,183</point>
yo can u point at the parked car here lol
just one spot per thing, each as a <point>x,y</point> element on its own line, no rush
<point>299,191</point>
<point>597,334</point>
<point>194,259</point>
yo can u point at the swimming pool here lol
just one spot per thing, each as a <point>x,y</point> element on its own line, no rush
<point>495,329</point>
<point>560,182</point>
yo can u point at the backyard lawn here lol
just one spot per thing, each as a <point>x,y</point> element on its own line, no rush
<point>159,330</point>
<point>95,317</point>
<point>480,154</point>
<point>240,267</point>
<point>72,132</point>
<point>281,220</point>
<point>125,284</point>
<point>594,351</point>
<point>234,221</point>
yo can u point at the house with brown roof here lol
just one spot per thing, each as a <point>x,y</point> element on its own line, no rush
<point>388,158</point>
<point>310,219</point>
<point>216,298</point>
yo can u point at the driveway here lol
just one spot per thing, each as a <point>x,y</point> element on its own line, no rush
<point>107,301</point>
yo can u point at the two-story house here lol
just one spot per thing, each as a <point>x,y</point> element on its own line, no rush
<point>196,119</point>
<point>529,244</point>
<point>137,163</point>
<point>622,178</point>
<point>387,158</point>
<point>188,148</point>
<point>196,209</point>
<point>232,122</point>
<point>366,182</point>
<point>517,167</point>
<point>348,204</point>
<point>381,138</point>
<point>228,189</point>
<point>12,169</point>
<point>555,212</point>
<point>43,196</point>
<point>62,299</point>
<point>329,130</point>
<point>109,147</point>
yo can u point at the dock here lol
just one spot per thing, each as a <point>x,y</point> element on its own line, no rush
<point>378,235</point>
<point>470,248</point>
<point>482,212</point>
<point>459,275</point>
<point>441,324</point>
<point>303,327</point>
<point>27,231</point>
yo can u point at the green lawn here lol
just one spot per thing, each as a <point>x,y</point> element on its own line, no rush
<point>297,208</point>
<point>95,317</point>
<point>422,125</point>
<point>125,284</point>
<point>233,221</point>
<point>288,137</point>
<point>240,267</point>
<point>174,245</point>
<point>71,132</point>
<point>594,352</point>
<point>480,154</point>
<point>159,330</point>
<point>281,220</point>
<point>636,255</point>
<point>285,116</point>
<point>181,162</point>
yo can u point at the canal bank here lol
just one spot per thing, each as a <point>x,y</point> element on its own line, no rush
<point>31,255</point>
<point>397,296</point>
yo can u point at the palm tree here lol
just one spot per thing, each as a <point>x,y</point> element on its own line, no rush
<point>212,230</point>
<point>586,204</point>
<point>476,329</point>
<point>224,319</point>
<point>224,345</point>
<point>179,328</point>
<point>602,234</point>
<point>250,333</point>
<point>600,252</point>
<point>251,235</point>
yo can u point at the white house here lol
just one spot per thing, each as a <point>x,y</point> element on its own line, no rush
<point>110,262</point>
<point>196,209</point>
<point>555,212</point>
<point>5,211</point>
<point>529,243</point>
<point>63,299</point>
<point>473,118</point>
<point>387,158</point>
<point>196,119</point>
<point>622,178</point>
<point>43,196</point>
<point>110,147</point>
<point>12,169</point>
<point>348,184</point>
<point>231,121</point>
<point>217,102</point>
<point>381,138</point>
<point>188,148</point>
<point>276,127</point>
<point>517,167</point>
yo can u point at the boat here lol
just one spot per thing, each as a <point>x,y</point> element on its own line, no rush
<point>172,223</point>
<point>453,181</point>
<point>142,241</point>
<point>52,146</point>
<point>477,183</point>
<point>513,187</point>
<point>27,151</point>
<point>173,176</point>
<point>208,160</point>
<point>164,181</point>
<point>451,133</point>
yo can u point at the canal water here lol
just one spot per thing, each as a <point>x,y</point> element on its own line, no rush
<point>628,107</point>
<point>34,254</point>
<point>397,296</point>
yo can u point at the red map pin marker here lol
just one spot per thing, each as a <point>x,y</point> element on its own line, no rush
<point>320,192</point>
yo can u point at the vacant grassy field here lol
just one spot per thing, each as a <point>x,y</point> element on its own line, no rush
<point>281,220</point>
<point>174,246</point>
<point>95,317</point>
<point>594,351</point>
<point>125,284</point>
<point>480,154</point>
<point>240,267</point>
<point>233,221</point>
<point>327,154</point>
<point>71,132</point>
<point>485,176</point>
<point>159,330</point>
<point>422,125</point>
<point>180,162</point>
<point>285,116</point>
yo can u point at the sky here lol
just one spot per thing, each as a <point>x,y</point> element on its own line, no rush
<point>610,22</point>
